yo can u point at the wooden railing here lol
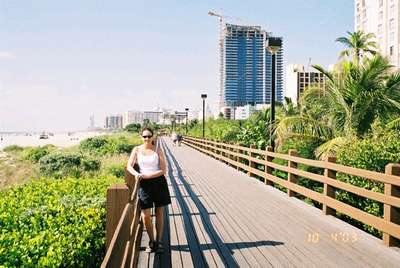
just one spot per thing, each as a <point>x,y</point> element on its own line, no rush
<point>234,154</point>
<point>123,226</point>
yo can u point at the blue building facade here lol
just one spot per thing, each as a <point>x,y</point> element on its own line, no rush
<point>245,67</point>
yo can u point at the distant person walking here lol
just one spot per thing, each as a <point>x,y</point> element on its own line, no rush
<point>174,138</point>
<point>153,190</point>
<point>179,139</point>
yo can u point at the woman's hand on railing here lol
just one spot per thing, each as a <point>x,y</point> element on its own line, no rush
<point>138,177</point>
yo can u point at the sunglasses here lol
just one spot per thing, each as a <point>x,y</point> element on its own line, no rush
<point>147,136</point>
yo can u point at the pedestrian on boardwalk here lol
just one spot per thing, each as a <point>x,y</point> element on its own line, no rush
<point>174,138</point>
<point>179,139</point>
<point>153,188</point>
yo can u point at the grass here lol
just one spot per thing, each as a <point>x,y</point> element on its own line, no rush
<point>14,171</point>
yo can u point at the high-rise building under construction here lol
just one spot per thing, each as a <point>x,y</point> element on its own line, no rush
<point>246,67</point>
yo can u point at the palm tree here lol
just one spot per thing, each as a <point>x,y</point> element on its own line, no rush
<point>347,107</point>
<point>358,44</point>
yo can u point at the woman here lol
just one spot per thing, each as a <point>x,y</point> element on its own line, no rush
<point>153,188</point>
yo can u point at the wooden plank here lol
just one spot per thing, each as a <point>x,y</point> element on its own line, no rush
<point>176,259</point>
<point>227,230</point>
<point>143,259</point>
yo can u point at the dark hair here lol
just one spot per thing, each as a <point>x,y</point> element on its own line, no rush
<point>150,130</point>
<point>147,129</point>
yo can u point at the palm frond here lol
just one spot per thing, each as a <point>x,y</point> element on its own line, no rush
<point>331,147</point>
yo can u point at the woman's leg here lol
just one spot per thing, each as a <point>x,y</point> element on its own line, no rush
<point>146,216</point>
<point>159,222</point>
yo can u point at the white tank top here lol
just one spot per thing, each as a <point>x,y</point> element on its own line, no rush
<point>148,163</point>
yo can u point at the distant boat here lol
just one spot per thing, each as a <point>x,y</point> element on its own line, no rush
<point>43,135</point>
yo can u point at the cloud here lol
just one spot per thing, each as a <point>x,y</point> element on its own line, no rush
<point>6,55</point>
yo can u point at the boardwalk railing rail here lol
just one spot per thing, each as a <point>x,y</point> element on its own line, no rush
<point>123,226</point>
<point>235,155</point>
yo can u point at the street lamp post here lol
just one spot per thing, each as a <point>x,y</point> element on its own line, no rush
<point>204,97</point>
<point>273,45</point>
<point>187,110</point>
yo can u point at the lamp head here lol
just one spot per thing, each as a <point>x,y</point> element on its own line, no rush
<point>203,96</point>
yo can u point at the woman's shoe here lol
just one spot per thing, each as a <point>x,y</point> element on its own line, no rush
<point>150,247</point>
<point>159,247</point>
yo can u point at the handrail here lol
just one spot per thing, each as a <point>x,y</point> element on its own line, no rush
<point>123,249</point>
<point>389,224</point>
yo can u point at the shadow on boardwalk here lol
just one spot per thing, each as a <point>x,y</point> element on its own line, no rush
<point>196,249</point>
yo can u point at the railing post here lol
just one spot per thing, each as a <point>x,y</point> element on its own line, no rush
<point>292,178</point>
<point>267,168</point>
<point>231,156</point>
<point>117,198</point>
<point>237,157</point>
<point>391,213</point>
<point>329,190</point>
<point>219,150</point>
<point>251,163</point>
<point>222,153</point>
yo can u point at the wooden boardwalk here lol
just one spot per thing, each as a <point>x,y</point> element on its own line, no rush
<point>220,217</point>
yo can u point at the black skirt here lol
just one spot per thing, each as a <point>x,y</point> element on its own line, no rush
<point>154,192</point>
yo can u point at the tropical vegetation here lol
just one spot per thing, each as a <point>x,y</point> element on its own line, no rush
<point>55,217</point>
<point>355,117</point>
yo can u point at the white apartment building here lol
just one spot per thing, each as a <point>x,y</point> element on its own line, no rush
<point>242,112</point>
<point>153,117</point>
<point>380,17</point>
<point>298,79</point>
<point>133,117</point>
<point>113,122</point>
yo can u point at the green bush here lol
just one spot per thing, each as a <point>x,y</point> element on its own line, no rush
<point>117,170</point>
<point>34,154</point>
<point>133,128</point>
<point>109,145</point>
<point>60,165</point>
<point>97,145</point>
<point>54,223</point>
<point>13,149</point>
<point>305,148</point>
<point>371,153</point>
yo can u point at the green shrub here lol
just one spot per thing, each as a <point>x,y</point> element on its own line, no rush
<point>33,154</point>
<point>133,128</point>
<point>109,145</point>
<point>117,170</point>
<point>54,223</point>
<point>371,153</point>
<point>97,145</point>
<point>13,149</point>
<point>61,165</point>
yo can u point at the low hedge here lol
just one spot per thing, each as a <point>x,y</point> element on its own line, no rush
<point>60,165</point>
<point>54,223</point>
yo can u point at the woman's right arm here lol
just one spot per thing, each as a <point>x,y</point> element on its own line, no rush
<point>131,162</point>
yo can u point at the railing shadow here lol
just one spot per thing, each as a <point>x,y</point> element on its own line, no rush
<point>222,248</point>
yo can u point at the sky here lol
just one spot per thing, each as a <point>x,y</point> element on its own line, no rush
<point>62,61</point>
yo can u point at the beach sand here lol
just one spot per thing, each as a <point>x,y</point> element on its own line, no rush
<point>61,140</point>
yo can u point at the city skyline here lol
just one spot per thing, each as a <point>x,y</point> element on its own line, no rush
<point>62,62</point>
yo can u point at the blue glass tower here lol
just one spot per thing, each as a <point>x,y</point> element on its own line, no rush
<point>245,67</point>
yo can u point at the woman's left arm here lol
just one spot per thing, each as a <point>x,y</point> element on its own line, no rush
<point>163,167</point>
